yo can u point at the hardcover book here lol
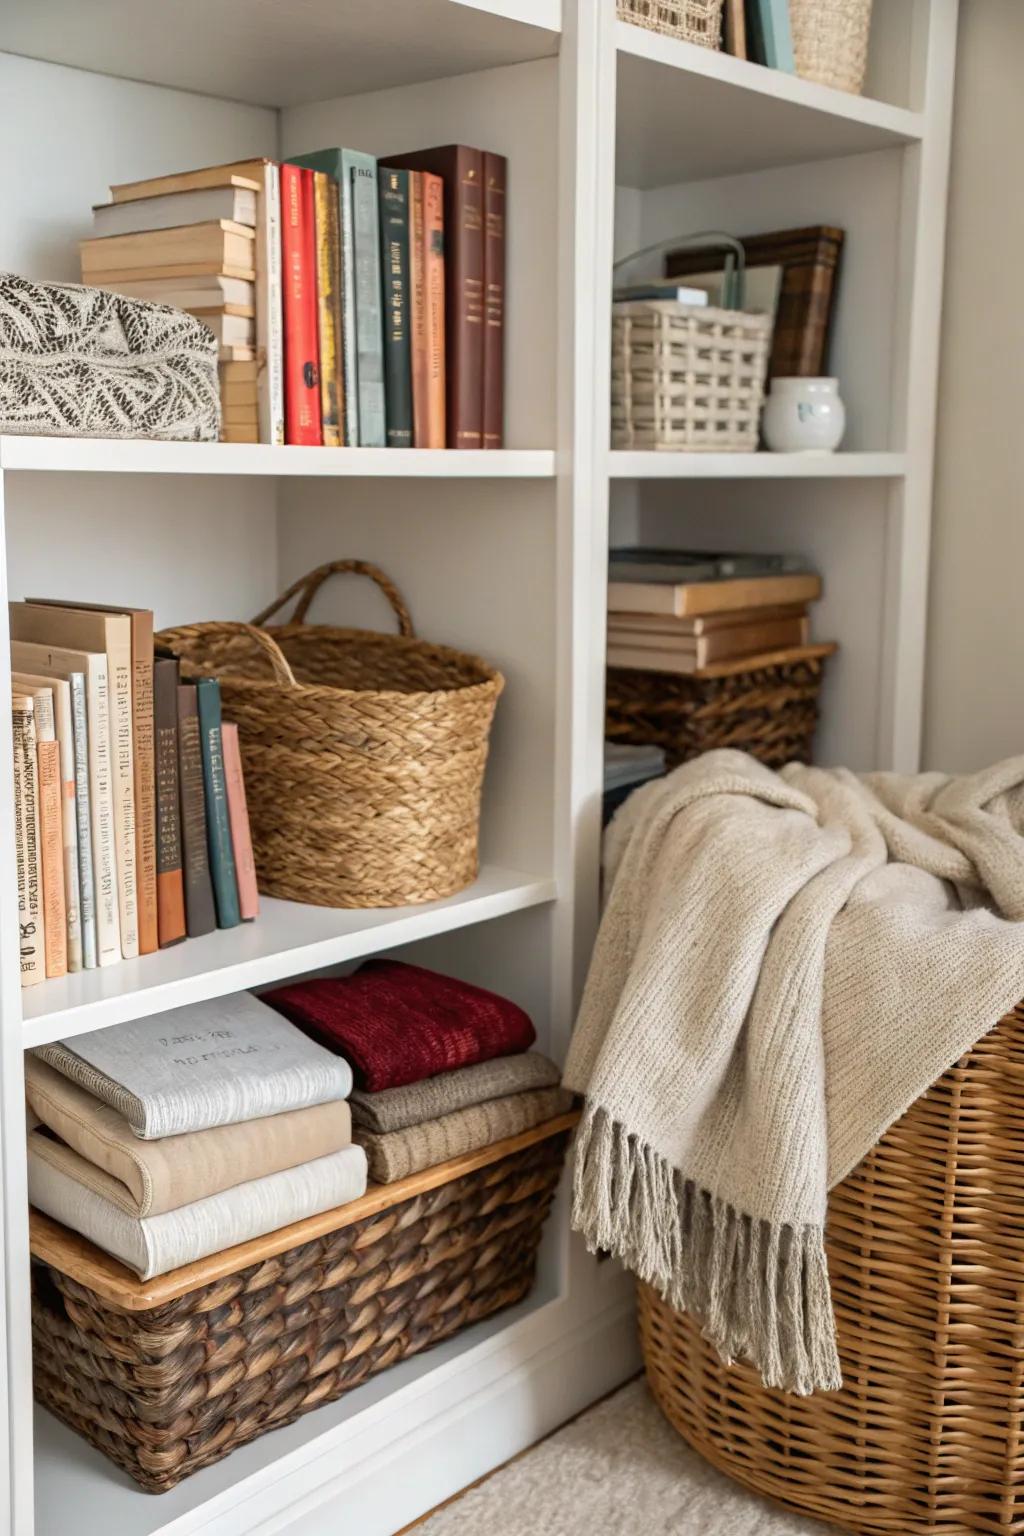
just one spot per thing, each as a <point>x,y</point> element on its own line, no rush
<point>170,210</point>
<point>685,599</point>
<point>218,826</point>
<point>238,817</point>
<point>51,851</point>
<point>190,250</point>
<point>495,224</point>
<point>328,273</point>
<point>298,245</point>
<point>200,912</point>
<point>83,820</point>
<point>59,691</point>
<point>32,941</point>
<point>170,886</point>
<point>418,315</point>
<point>394,241</point>
<point>434,310</point>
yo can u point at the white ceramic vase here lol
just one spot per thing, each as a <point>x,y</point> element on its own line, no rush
<point>803,416</point>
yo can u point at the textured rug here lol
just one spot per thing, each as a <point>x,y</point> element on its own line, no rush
<point>618,1470</point>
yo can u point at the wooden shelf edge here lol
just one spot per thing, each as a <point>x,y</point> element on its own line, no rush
<point>75,1256</point>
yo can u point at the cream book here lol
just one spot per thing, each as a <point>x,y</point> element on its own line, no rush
<point>688,599</point>
<point>111,633</point>
<point>31,938</point>
<point>211,292</point>
<point>59,690</point>
<point>61,661</point>
<point>192,249</point>
<point>171,209</point>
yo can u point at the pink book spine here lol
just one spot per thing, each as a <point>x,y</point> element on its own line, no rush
<point>238,819</point>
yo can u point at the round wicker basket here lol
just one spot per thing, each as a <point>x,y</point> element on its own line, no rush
<point>364,754</point>
<point>830,41</point>
<point>926,1259</point>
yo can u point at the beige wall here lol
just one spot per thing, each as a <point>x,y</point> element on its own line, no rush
<point>974,695</point>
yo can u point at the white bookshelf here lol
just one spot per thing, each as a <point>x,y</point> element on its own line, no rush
<point>615,137</point>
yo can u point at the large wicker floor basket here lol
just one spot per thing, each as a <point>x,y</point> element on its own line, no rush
<point>767,706</point>
<point>364,754</point>
<point>168,1375</point>
<point>926,1259</point>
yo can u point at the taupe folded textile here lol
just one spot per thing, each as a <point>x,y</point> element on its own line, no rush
<point>93,1205</point>
<point>393,1109</point>
<point>396,1154</point>
<point>158,1176</point>
<point>212,1063</point>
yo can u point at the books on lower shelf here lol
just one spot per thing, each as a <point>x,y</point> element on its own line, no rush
<point>674,611</point>
<point>356,302</point>
<point>102,798</point>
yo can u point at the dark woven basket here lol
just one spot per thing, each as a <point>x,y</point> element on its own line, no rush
<point>166,1383</point>
<point>767,706</point>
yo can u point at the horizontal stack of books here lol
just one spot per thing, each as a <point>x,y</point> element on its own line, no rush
<point>674,611</point>
<point>131,825</point>
<point>356,303</point>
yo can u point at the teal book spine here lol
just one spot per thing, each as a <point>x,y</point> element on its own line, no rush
<point>394,255</point>
<point>361,173</point>
<point>218,826</point>
<point>332,161</point>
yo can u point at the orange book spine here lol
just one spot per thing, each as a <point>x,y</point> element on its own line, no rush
<point>433,283</point>
<point>51,851</point>
<point>238,820</point>
<point>418,311</point>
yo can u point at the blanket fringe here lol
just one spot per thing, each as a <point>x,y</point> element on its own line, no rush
<point>759,1290</point>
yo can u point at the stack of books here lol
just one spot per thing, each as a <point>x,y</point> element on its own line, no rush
<point>357,302</point>
<point>674,611</point>
<point>208,242</point>
<point>131,825</point>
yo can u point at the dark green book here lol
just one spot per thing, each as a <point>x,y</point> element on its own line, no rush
<point>394,259</point>
<point>218,827</point>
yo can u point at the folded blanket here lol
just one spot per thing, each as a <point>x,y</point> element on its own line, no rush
<point>159,1176</point>
<point>786,962</point>
<point>399,1023</point>
<point>395,1108</point>
<point>64,1186</point>
<point>397,1154</point>
<point>212,1063</point>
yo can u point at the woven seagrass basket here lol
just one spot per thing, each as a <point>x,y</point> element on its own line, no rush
<point>686,378</point>
<point>830,41</point>
<point>925,1246</point>
<point>364,754</point>
<point>695,21</point>
<point>765,705</point>
<point>166,1376</point>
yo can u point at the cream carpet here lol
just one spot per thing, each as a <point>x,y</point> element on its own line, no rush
<point>618,1470</point>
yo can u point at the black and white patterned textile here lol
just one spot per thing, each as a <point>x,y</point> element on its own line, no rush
<point>80,362</point>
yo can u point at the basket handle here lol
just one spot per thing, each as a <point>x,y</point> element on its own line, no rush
<point>308,586</point>
<point>267,644</point>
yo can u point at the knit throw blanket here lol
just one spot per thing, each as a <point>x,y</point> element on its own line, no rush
<point>398,1023</point>
<point>786,962</point>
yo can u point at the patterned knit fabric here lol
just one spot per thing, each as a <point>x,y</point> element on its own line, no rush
<point>399,1153</point>
<point>398,1023</point>
<point>80,362</point>
<point>396,1108</point>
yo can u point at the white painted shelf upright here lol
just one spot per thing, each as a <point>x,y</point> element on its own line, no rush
<point>616,138</point>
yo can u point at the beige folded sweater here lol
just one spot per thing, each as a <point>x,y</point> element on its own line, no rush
<point>393,1109</point>
<point>157,1176</point>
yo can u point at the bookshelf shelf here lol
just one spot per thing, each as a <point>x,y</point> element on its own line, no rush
<point>286,940</point>
<point>626,465</point>
<point>687,113</point>
<point>98,455</point>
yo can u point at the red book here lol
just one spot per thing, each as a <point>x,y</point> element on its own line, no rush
<point>238,819</point>
<point>301,351</point>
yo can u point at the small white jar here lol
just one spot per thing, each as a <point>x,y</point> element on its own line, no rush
<point>803,416</point>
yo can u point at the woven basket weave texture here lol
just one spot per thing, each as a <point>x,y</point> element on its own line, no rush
<point>168,1391</point>
<point>769,711</point>
<point>830,41</point>
<point>695,21</point>
<point>686,378</point>
<point>363,754</point>
<point>926,1261</point>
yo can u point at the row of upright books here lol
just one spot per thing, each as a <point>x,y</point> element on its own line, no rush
<point>131,827</point>
<point>356,302</point>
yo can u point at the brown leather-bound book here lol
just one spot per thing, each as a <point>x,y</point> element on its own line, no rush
<point>495,192</point>
<point>809,259</point>
<point>461,171</point>
<point>170,887</point>
<point>200,912</point>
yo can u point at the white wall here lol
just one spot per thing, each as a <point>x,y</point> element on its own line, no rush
<point>974,697</point>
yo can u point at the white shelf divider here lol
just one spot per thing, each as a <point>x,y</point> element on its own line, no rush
<point>287,938</point>
<point>624,464</point>
<point>142,457</point>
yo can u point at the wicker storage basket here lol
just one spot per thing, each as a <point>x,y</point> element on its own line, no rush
<point>926,1259</point>
<point>364,754</point>
<point>688,378</point>
<point>764,705</point>
<point>695,21</point>
<point>830,41</point>
<point>168,1375</point>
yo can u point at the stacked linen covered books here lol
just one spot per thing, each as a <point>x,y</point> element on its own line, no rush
<point>170,1138</point>
<point>442,1068</point>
